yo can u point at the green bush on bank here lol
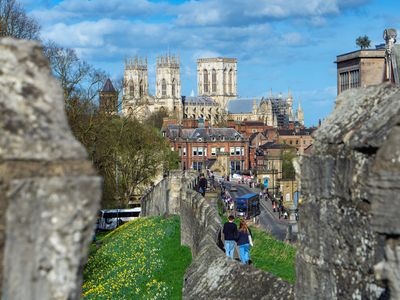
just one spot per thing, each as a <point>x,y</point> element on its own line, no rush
<point>142,259</point>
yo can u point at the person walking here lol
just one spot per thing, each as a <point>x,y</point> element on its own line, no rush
<point>230,234</point>
<point>202,185</point>
<point>244,241</point>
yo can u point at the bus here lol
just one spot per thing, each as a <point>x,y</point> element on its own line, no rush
<point>109,219</point>
<point>247,206</point>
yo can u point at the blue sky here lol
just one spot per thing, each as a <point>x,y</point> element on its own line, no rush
<point>279,44</point>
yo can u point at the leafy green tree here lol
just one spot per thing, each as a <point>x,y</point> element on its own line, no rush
<point>288,171</point>
<point>363,42</point>
<point>156,119</point>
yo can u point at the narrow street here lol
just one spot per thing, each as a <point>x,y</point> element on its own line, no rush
<point>267,219</point>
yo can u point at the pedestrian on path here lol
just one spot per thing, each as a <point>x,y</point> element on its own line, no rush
<point>202,185</point>
<point>230,234</point>
<point>243,241</point>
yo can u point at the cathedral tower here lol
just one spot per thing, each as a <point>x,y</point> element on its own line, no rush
<point>135,84</point>
<point>168,83</point>
<point>216,78</point>
<point>108,98</point>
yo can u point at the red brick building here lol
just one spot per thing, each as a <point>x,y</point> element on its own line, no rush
<point>200,148</point>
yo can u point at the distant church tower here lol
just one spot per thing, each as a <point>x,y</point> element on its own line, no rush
<point>300,114</point>
<point>168,84</point>
<point>289,106</point>
<point>135,85</point>
<point>108,98</point>
<point>216,78</point>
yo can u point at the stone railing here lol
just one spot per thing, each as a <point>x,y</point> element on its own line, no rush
<point>49,193</point>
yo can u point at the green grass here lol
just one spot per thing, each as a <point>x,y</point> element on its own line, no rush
<point>272,255</point>
<point>268,253</point>
<point>142,259</point>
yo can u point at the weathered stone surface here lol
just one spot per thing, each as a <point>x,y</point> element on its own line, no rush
<point>347,187</point>
<point>49,193</point>
<point>34,125</point>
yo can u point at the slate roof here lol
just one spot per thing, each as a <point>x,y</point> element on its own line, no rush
<point>200,100</point>
<point>302,131</point>
<point>215,133</point>
<point>242,105</point>
<point>108,86</point>
<point>273,145</point>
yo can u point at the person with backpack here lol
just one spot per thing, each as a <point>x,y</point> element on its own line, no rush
<point>230,235</point>
<point>244,241</point>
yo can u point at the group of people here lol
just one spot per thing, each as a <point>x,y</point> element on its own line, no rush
<point>242,237</point>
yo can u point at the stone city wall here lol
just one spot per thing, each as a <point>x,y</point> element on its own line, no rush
<point>212,275</point>
<point>350,185</point>
<point>49,193</point>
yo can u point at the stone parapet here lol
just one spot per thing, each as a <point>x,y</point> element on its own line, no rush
<point>49,193</point>
<point>350,188</point>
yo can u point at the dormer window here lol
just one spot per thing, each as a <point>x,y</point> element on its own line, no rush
<point>200,139</point>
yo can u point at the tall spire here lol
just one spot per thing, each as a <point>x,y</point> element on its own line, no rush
<point>290,93</point>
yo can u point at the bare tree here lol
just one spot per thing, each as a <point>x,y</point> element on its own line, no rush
<point>16,23</point>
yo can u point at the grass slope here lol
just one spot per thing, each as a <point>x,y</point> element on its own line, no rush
<point>142,259</point>
<point>272,255</point>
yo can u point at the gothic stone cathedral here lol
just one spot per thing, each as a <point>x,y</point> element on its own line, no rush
<point>216,82</point>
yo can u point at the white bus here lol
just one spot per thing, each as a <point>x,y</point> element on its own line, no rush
<point>109,219</point>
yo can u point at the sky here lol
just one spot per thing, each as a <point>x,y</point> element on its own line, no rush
<point>279,44</point>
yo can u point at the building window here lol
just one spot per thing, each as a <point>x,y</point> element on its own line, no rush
<point>205,79</point>
<point>180,151</point>
<point>194,151</point>
<point>297,142</point>
<point>354,79</point>
<point>232,150</point>
<point>291,142</point>
<point>141,88</point>
<point>213,151</point>
<point>344,81</point>
<point>184,151</point>
<point>173,88</point>
<point>214,81</point>
<point>197,165</point>
<point>304,142</point>
<point>222,149</point>
<point>200,151</point>
<point>237,151</point>
<point>242,150</point>
<point>163,88</point>
<point>254,130</point>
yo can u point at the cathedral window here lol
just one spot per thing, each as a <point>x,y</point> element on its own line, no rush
<point>163,88</point>
<point>173,88</point>
<point>141,88</point>
<point>131,88</point>
<point>205,79</point>
<point>224,81</point>
<point>214,81</point>
<point>230,89</point>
